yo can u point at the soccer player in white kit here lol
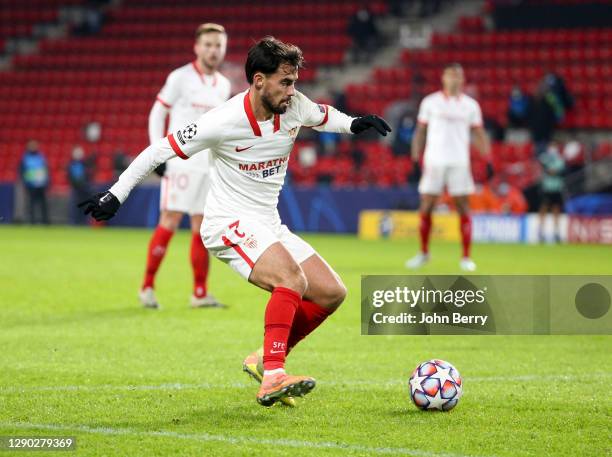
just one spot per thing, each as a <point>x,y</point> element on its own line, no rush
<point>251,137</point>
<point>189,92</point>
<point>444,123</point>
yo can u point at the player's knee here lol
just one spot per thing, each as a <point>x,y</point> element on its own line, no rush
<point>338,295</point>
<point>196,223</point>
<point>170,220</point>
<point>169,225</point>
<point>334,295</point>
<point>293,278</point>
<point>301,283</point>
<point>427,207</point>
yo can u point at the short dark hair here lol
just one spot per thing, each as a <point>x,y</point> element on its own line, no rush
<point>268,54</point>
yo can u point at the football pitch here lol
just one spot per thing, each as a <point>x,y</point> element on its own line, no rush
<point>81,358</point>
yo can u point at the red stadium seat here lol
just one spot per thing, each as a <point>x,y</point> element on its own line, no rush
<point>113,77</point>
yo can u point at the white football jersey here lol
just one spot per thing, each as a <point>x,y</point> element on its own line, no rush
<point>250,157</point>
<point>189,93</point>
<point>449,120</point>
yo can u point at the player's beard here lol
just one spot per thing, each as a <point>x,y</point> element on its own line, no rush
<point>210,64</point>
<point>276,109</point>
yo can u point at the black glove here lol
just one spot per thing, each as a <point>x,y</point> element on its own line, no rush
<point>160,170</point>
<point>102,206</point>
<point>490,171</point>
<point>372,120</point>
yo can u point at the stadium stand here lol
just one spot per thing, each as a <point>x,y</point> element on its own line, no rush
<point>18,18</point>
<point>495,61</point>
<point>113,77</point>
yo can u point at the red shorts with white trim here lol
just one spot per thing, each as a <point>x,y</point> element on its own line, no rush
<point>240,242</point>
<point>184,191</point>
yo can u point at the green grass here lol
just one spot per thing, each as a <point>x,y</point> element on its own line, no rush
<point>79,357</point>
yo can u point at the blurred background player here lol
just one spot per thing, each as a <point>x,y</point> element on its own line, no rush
<point>444,123</point>
<point>189,92</point>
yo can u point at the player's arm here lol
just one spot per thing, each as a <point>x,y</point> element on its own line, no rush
<point>186,142</point>
<point>157,120</point>
<point>480,138</point>
<point>417,145</point>
<point>418,141</point>
<point>483,145</point>
<point>325,118</point>
<point>167,96</point>
<point>481,141</point>
<point>157,125</point>
<point>416,148</point>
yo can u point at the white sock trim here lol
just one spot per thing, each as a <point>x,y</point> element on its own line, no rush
<point>275,371</point>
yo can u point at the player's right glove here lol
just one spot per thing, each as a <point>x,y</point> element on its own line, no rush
<point>102,206</point>
<point>160,170</point>
<point>371,121</point>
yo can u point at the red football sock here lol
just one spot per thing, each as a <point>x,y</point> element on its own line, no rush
<point>465,226</point>
<point>278,319</point>
<point>157,249</point>
<point>308,317</point>
<point>425,230</point>
<point>199,263</point>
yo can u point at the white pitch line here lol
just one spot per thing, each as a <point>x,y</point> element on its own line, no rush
<point>234,440</point>
<point>241,385</point>
<point>129,387</point>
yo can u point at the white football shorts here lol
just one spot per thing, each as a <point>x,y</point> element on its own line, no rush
<point>184,191</point>
<point>240,242</point>
<point>456,178</point>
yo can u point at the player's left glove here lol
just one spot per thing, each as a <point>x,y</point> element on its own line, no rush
<point>102,206</point>
<point>160,170</point>
<point>371,121</point>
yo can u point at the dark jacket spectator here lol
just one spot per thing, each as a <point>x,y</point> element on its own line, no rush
<point>542,118</point>
<point>550,104</point>
<point>34,173</point>
<point>120,162</point>
<point>403,135</point>
<point>364,33</point>
<point>563,100</point>
<point>79,176</point>
<point>518,108</point>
